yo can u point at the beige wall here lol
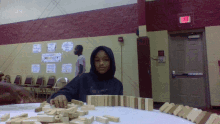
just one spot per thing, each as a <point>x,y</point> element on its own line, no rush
<point>159,71</point>
<point>213,52</point>
<point>16,59</point>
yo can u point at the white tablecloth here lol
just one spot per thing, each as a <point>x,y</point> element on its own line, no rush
<point>127,115</point>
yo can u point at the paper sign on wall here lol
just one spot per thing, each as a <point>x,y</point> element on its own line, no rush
<point>51,68</point>
<point>67,46</point>
<point>36,48</point>
<point>51,47</point>
<point>67,68</point>
<point>35,68</point>
<point>51,57</point>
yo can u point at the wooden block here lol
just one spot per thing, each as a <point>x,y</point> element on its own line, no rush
<point>205,118</point>
<point>73,109</point>
<point>90,119</point>
<point>116,100</point>
<point>64,113</point>
<point>96,100</point>
<point>142,103</point>
<point>43,118</point>
<point>136,102</point>
<point>46,109</point>
<point>112,118</point>
<point>101,101</point>
<point>119,100</point>
<point>113,100</point>
<point>181,112</point>
<point>57,118</point>
<point>122,100</point>
<point>187,111</point>
<point>29,121</point>
<point>12,120</point>
<point>132,101</point>
<point>149,104</point>
<point>102,119</point>
<point>125,101</point>
<point>39,109</point>
<point>164,106</point>
<point>76,121</point>
<point>73,115</point>
<point>105,100</point>
<point>19,121</point>
<point>37,122</point>
<point>65,119</point>
<point>191,113</point>
<point>81,113</point>
<point>53,112</point>
<point>128,101</point>
<point>92,99</point>
<point>211,118</point>
<point>110,100</point>
<point>217,120</point>
<point>22,115</point>
<point>5,117</point>
<point>87,108</point>
<point>171,105</point>
<point>195,115</point>
<point>178,109</point>
<point>83,119</point>
<point>139,102</point>
<point>172,109</point>
<point>200,117</point>
<point>89,99</point>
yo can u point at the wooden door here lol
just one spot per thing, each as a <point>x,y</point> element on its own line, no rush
<point>145,85</point>
<point>188,85</point>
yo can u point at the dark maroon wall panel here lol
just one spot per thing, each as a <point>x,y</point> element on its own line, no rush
<point>163,15</point>
<point>141,12</point>
<point>109,21</point>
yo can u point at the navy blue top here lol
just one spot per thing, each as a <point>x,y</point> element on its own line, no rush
<point>93,83</point>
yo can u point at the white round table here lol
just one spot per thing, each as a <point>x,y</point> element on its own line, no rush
<point>127,115</point>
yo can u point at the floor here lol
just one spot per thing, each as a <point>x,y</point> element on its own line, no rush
<point>42,98</point>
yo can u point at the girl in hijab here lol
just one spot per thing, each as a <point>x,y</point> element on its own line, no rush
<point>99,81</point>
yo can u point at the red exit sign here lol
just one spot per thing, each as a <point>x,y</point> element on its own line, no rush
<point>185,19</point>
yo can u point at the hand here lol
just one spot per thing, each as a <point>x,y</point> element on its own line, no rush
<point>15,93</point>
<point>59,101</point>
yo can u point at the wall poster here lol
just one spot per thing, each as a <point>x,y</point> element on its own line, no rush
<point>51,68</point>
<point>35,68</point>
<point>67,46</point>
<point>51,57</point>
<point>67,68</point>
<point>36,48</point>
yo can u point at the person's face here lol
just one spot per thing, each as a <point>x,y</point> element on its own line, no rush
<point>76,51</point>
<point>102,62</point>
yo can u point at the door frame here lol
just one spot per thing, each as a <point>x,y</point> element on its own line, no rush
<point>205,61</point>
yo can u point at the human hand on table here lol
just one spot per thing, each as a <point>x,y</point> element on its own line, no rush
<point>11,93</point>
<point>59,101</point>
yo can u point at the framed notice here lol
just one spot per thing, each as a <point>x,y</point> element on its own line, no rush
<point>51,47</point>
<point>35,68</point>
<point>67,46</point>
<point>51,68</point>
<point>51,57</point>
<point>67,68</point>
<point>36,48</point>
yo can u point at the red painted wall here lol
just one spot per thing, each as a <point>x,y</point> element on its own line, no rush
<point>163,15</point>
<point>109,21</point>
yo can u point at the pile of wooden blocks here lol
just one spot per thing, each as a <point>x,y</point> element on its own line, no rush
<point>52,115</point>
<point>120,100</point>
<point>193,114</point>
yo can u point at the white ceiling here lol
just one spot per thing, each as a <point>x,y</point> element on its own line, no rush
<point>12,11</point>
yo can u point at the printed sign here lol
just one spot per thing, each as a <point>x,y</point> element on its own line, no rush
<point>51,47</point>
<point>51,57</point>
<point>67,46</point>
<point>35,68</point>
<point>51,68</point>
<point>36,48</point>
<point>67,68</point>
